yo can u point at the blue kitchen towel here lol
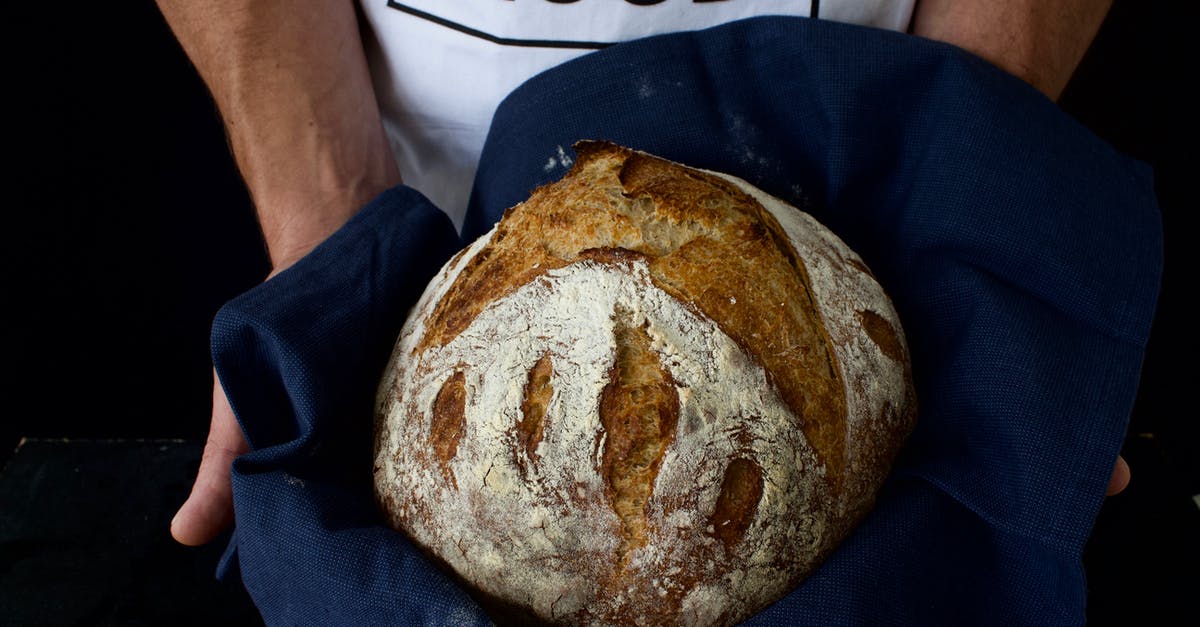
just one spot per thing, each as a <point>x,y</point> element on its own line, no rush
<point>1023,255</point>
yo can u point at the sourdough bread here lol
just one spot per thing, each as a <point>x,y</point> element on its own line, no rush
<point>651,394</point>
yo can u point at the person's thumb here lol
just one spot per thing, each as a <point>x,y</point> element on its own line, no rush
<point>209,509</point>
<point>1120,478</point>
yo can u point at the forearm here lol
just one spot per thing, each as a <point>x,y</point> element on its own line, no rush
<point>291,82</point>
<point>1039,41</point>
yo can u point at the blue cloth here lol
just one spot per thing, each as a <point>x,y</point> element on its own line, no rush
<point>1022,253</point>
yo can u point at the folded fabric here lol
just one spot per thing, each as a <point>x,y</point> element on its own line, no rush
<point>1022,253</point>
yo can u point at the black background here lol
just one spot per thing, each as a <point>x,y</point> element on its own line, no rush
<point>130,227</point>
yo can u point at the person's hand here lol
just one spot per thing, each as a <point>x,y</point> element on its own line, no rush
<point>1120,477</point>
<point>300,113</point>
<point>209,508</point>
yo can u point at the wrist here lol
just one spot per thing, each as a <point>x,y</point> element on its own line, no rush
<point>295,223</point>
<point>308,186</point>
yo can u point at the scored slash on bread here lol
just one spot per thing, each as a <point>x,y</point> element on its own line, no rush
<point>650,394</point>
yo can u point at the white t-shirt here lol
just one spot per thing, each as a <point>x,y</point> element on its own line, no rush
<point>440,67</point>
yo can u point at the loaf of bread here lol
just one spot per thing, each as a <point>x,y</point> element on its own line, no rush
<point>650,395</point>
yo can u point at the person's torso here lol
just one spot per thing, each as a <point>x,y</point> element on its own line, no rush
<point>441,67</point>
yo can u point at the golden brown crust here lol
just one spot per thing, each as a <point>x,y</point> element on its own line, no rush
<point>449,422</point>
<point>639,409</point>
<point>538,391</point>
<point>741,490</point>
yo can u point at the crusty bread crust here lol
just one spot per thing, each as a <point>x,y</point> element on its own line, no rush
<point>651,394</point>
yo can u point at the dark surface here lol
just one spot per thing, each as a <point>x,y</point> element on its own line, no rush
<point>131,228</point>
<point>83,539</point>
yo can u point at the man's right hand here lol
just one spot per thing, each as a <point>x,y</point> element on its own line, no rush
<point>294,91</point>
<point>209,508</point>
